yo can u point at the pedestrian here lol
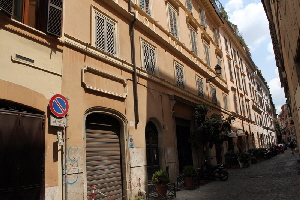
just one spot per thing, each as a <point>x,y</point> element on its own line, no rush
<point>292,147</point>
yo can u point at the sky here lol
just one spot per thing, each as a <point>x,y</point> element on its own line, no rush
<point>252,22</point>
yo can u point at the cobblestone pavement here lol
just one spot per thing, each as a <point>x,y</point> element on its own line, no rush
<point>276,178</point>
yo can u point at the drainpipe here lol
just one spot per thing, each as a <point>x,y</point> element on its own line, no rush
<point>134,75</point>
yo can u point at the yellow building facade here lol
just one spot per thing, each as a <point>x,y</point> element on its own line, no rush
<point>132,73</point>
<point>284,26</point>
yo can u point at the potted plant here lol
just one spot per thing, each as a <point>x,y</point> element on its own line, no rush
<point>160,179</point>
<point>189,174</point>
<point>244,159</point>
<point>231,159</point>
<point>253,157</point>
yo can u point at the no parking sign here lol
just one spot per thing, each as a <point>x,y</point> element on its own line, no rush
<point>59,105</point>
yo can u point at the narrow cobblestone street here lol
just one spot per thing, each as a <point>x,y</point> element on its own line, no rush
<point>276,178</point>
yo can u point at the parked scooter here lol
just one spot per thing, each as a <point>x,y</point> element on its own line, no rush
<point>208,171</point>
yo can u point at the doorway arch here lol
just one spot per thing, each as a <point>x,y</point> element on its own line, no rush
<point>152,153</point>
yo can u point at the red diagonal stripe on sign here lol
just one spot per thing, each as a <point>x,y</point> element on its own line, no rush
<point>59,105</point>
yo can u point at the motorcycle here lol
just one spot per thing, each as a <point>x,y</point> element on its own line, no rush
<point>208,171</point>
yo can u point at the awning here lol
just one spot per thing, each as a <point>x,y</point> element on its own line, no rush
<point>232,134</point>
<point>240,132</point>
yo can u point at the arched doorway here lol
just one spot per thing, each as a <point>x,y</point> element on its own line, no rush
<point>151,134</point>
<point>103,156</point>
<point>22,152</point>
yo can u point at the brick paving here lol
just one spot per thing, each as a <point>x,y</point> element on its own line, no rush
<point>276,178</point>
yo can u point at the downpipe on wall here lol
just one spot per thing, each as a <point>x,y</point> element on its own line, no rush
<point>134,75</point>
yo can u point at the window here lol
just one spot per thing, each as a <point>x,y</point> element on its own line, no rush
<point>234,55</point>
<point>189,6</point>
<point>244,84</point>
<point>200,87</point>
<point>42,15</point>
<point>145,6</point>
<point>236,104</point>
<point>173,20</point>
<point>230,70</point>
<point>248,108</point>
<point>238,77</point>
<point>149,58</point>
<point>179,75</point>
<point>226,44</point>
<point>220,63</point>
<point>105,32</point>
<point>225,102</point>
<point>214,95</point>
<point>207,56</point>
<point>216,36</point>
<point>193,35</point>
<point>202,17</point>
<point>243,112</point>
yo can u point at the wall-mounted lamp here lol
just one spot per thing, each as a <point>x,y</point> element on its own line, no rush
<point>218,70</point>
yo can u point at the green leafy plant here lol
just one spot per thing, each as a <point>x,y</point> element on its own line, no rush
<point>160,178</point>
<point>210,130</point>
<point>231,158</point>
<point>244,157</point>
<point>189,171</point>
<point>140,197</point>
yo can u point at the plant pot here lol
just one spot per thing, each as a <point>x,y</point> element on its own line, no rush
<point>189,182</point>
<point>246,165</point>
<point>161,190</point>
<point>253,161</point>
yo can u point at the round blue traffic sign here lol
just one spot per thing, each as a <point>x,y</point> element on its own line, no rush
<point>59,105</point>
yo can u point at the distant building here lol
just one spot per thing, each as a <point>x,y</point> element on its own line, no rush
<point>284,24</point>
<point>132,73</point>
<point>286,122</point>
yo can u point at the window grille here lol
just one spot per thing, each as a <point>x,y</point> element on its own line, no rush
<point>149,58</point>
<point>189,6</point>
<point>249,112</point>
<point>202,17</point>
<point>200,87</point>
<point>193,40</point>
<point>243,111</point>
<point>145,6</point>
<point>7,6</point>
<point>105,34</point>
<point>238,77</point>
<point>216,36</point>
<point>236,104</point>
<point>245,86</point>
<point>225,102</point>
<point>220,64</point>
<point>214,95</point>
<point>230,70</point>
<point>179,75</point>
<point>207,56</point>
<point>226,44</point>
<point>54,25</point>
<point>42,15</point>
<point>234,54</point>
<point>173,21</point>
